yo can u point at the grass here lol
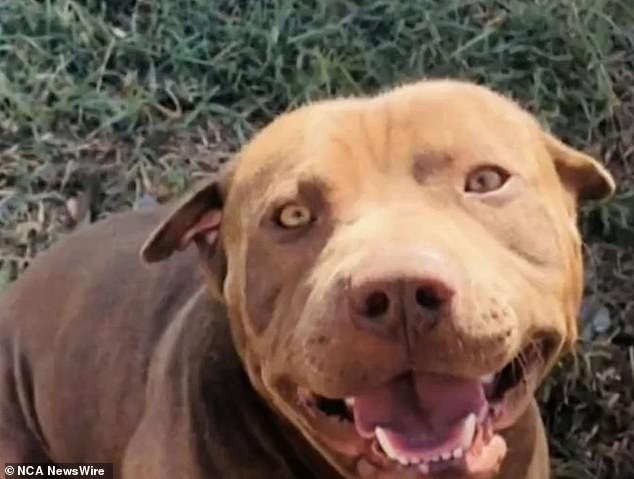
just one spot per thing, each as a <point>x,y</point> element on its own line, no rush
<point>105,103</point>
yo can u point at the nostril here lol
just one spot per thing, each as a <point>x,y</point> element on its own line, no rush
<point>428,298</point>
<point>376,304</point>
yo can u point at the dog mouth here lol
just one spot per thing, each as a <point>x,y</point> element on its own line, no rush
<point>429,422</point>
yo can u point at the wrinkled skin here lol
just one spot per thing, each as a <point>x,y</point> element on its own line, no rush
<point>445,201</point>
<point>384,180</point>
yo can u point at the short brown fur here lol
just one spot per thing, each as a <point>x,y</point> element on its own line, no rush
<point>178,370</point>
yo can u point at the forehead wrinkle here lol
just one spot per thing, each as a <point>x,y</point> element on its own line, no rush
<point>338,156</point>
<point>365,128</point>
<point>334,152</point>
<point>387,136</point>
<point>442,111</point>
<point>282,187</point>
<point>467,143</point>
<point>354,143</point>
<point>368,140</point>
<point>400,143</point>
<point>389,130</point>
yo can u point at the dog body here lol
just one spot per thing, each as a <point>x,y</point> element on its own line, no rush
<point>97,388</point>
<point>368,278</point>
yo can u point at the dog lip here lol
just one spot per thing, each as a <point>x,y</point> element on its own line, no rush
<point>340,433</point>
<point>529,359</point>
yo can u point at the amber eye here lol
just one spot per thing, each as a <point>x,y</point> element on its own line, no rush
<point>294,216</point>
<point>486,179</point>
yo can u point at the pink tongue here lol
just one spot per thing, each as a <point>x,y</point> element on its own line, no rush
<point>422,409</point>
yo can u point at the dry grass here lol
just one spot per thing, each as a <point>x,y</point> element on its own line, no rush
<point>104,104</point>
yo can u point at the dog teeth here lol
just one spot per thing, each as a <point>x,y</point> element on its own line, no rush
<point>386,445</point>
<point>424,465</point>
<point>468,431</point>
<point>487,378</point>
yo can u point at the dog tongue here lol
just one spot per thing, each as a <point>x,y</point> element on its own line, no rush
<point>423,410</point>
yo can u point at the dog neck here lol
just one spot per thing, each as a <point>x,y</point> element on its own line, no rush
<point>215,420</point>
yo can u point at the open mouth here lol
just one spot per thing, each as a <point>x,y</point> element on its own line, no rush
<point>430,422</point>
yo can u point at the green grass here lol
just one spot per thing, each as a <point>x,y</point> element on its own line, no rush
<point>102,103</point>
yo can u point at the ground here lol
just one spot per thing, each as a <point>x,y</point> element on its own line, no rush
<point>107,104</point>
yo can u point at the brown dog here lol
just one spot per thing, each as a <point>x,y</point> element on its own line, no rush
<point>391,278</point>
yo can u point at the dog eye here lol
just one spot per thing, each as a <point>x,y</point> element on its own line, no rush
<point>486,179</point>
<point>294,216</point>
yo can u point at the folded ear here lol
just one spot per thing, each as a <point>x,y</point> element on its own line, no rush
<point>196,217</point>
<point>581,174</point>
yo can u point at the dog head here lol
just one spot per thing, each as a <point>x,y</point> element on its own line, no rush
<point>400,271</point>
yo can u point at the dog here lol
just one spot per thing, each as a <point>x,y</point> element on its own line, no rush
<point>374,287</point>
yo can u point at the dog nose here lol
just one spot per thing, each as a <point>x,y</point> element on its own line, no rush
<point>383,303</point>
<point>428,296</point>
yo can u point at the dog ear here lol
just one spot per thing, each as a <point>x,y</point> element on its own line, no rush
<point>196,217</point>
<point>581,174</point>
